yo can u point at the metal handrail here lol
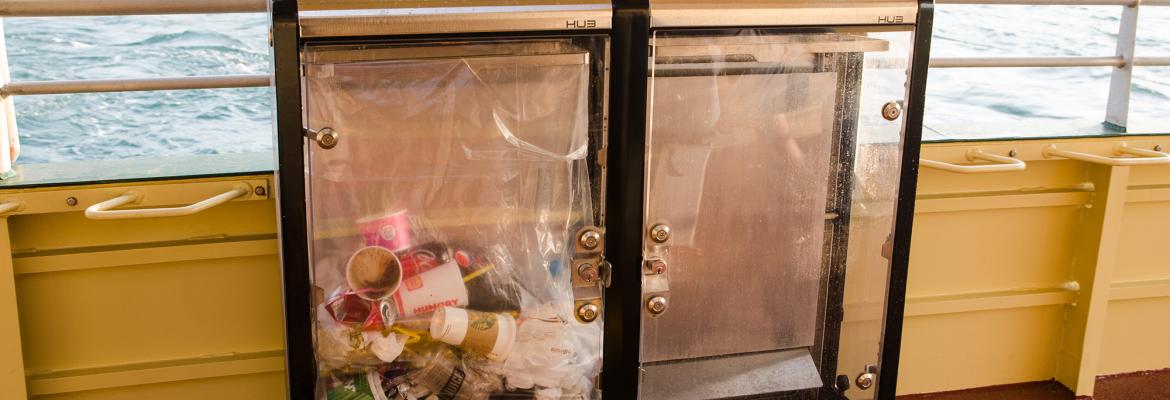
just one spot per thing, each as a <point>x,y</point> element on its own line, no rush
<point>77,8</point>
<point>105,209</point>
<point>998,164</point>
<point>65,8</point>
<point>139,84</point>
<point>1046,62</point>
<point>1127,3</point>
<point>1152,61</point>
<point>1008,62</point>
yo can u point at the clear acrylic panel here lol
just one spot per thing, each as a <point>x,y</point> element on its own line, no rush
<point>876,171</point>
<point>769,165</point>
<point>443,221</point>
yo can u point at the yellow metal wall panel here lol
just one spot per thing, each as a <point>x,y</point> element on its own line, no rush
<point>1136,336</point>
<point>175,308</point>
<point>966,350</point>
<point>267,386</point>
<point>1150,175</point>
<point>1106,239</point>
<point>1145,233</point>
<point>42,232</point>
<point>991,250</point>
<point>96,317</point>
<point>11,359</point>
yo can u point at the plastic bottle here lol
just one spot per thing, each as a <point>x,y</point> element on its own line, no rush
<point>447,379</point>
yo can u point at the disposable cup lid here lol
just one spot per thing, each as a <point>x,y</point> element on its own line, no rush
<point>449,325</point>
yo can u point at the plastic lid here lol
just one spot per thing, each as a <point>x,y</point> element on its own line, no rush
<point>449,325</point>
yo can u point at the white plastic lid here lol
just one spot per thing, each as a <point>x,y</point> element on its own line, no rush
<point>449,325</point>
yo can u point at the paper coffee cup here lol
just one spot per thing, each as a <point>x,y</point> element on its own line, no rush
<point>481,332</point>
<point>426,292</point>
<point>373,272</point>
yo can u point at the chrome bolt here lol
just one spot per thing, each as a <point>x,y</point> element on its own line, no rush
<point>865,381</point>
<point>71,201</point>
<point>590,240</point>
<point>587,272</point>
<point>587,312</point>
<point>656,265</point>
<point>891,110</point>
<point>326,137</point>
<point>660,233</point>
<point>260,191</point>
<point>656,305</point>
<point>1012,153</point>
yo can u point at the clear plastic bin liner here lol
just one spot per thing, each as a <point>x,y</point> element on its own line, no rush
<point>464,167</point>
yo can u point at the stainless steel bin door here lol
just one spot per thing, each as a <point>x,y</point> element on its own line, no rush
<point>473,163</point>
<point>750,171</point>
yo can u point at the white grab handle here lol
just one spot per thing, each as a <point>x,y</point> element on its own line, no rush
<point>999,164</point>
<point>1144,157</point>
<point>104,210</point>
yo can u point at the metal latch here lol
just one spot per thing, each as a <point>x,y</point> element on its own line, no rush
<point>325,137</point>
<point>655,269</point>
<point>590,273</point>
<point>866,379</point>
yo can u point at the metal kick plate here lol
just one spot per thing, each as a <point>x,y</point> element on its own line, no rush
<point>328,18</point>
<point>725,377</point>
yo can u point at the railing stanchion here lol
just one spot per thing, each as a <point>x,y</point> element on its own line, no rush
<point>9,140</point>
<point>1117,109</point>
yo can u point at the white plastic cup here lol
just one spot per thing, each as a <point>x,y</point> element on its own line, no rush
<point>481,332</point>
<point>426,292</point>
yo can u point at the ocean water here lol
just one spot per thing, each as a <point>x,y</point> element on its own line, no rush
<point>961,103</point>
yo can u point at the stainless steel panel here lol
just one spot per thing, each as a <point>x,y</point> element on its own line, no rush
<point>698,13</point>
<point>366,18</point>
<point>724,377</point>
<point>739,168</point>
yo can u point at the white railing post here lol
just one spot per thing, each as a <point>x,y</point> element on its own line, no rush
<point>9,140</point>
<point>1117,110</point>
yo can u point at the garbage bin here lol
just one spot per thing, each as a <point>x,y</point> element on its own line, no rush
<point>773,158</point>
<point>451,199</point>
<point>578,199</point>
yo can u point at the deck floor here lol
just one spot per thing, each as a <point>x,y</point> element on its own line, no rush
<point>1145,385</point>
